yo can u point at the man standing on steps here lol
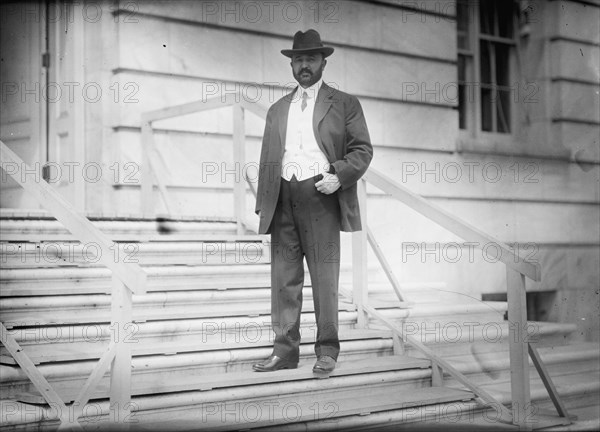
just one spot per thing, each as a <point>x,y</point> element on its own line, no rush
<point>315,148</point>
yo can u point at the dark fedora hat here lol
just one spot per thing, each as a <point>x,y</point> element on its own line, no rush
<point>306,43</point>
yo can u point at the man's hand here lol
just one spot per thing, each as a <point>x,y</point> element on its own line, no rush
<point>329,184</point>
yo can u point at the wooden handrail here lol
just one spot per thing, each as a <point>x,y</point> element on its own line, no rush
<point>254,107</point>
<point>127,278</point>
<point>188,108</point>
<point>517,267</point>
<point>386,184</point>
<point>516,270</point>
<point>131,274</point>
<point>452,223</point>
<point>205,105</point>
<point>478,390</point>
<point>149,152</point>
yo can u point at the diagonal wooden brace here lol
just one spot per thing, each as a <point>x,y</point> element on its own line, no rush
<point>547,380</point>
<point>100,369</point>
<point>387,268</point>
<point>38,380</point>
<point>505,414</point>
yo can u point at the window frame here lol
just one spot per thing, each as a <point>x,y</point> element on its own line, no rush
<point>473,136</point>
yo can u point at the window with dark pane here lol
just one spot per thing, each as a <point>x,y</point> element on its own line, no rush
<point>486,16</point>
<point>486,44</point>
<point>462,24</point>
<point>496,42</point>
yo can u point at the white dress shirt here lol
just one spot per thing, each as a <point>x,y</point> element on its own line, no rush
<point>302,157</point>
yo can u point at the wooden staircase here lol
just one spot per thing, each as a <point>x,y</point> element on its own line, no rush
<point>205,320</point>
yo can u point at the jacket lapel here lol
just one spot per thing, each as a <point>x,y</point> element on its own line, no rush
<point>322,105</point>
<point>283,119</point>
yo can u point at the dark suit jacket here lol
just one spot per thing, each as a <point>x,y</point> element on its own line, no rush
<point>341,133</point>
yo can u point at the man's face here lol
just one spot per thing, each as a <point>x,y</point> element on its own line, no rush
<point>308,68</point>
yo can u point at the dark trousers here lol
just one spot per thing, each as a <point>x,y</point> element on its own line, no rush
<point>306,223</point>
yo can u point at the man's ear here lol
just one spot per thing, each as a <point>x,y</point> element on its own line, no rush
<point>324,64</point>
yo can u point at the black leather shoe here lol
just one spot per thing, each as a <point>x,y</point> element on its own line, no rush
<point>324,364</point>
<point>274,363</point>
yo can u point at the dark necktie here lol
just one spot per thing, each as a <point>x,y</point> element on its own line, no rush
<point>304,97</point>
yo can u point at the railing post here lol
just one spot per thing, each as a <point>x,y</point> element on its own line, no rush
<point>437,375</point>
<point>239,157</point>
<point>147,146</point>
<point>360,289</point>
<point>120,377</point>
<point>519,359</point>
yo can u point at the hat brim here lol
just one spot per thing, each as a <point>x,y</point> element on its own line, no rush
<point>326,51</point>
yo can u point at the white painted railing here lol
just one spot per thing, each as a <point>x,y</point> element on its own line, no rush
<point>517,269</point>
<point>127,278</point>
<point>149,153</point>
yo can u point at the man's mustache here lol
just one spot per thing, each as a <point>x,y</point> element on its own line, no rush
<point>306,70</point>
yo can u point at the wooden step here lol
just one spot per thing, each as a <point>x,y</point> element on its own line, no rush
<point>587,419</point>
<point>247,378</point>
<point>135,238</point>
<point>429,292</point>
<point>37,213</point>
<point>66,342</point>
<point>313,404</point>
<point>422,318</point>
<point>455,416</point>
<point>244,250</point>
<point>89,280</point>
<point>68,377</point>
<point>95,308</point>
<point>467,416</point>
<point>474,339</point>
<point>40,221</point>
<point>73,280</point>
<point>232,350</point>
<point>495,366</point>
<point>257,337</point>
<point>119,228</point>
<point>567,385</point>
<point>423,314</point>
<point>305,408</point>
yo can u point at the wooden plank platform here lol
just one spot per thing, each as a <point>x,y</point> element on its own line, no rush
<point>135,230</point>
<point>34,237</point>
<point>86,280</point>
<point>250,378</point>
<point>34,214</point>
<point>303,408</point>
<point>96,308</point>
<point>82,350</point>
<point>190,252</point>
<point>71,280</point>
<point>78,336</point>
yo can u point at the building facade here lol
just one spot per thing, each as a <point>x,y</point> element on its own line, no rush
<point>490,109</point>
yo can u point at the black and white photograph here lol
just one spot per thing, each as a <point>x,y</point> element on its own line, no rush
<point>300,215</point>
